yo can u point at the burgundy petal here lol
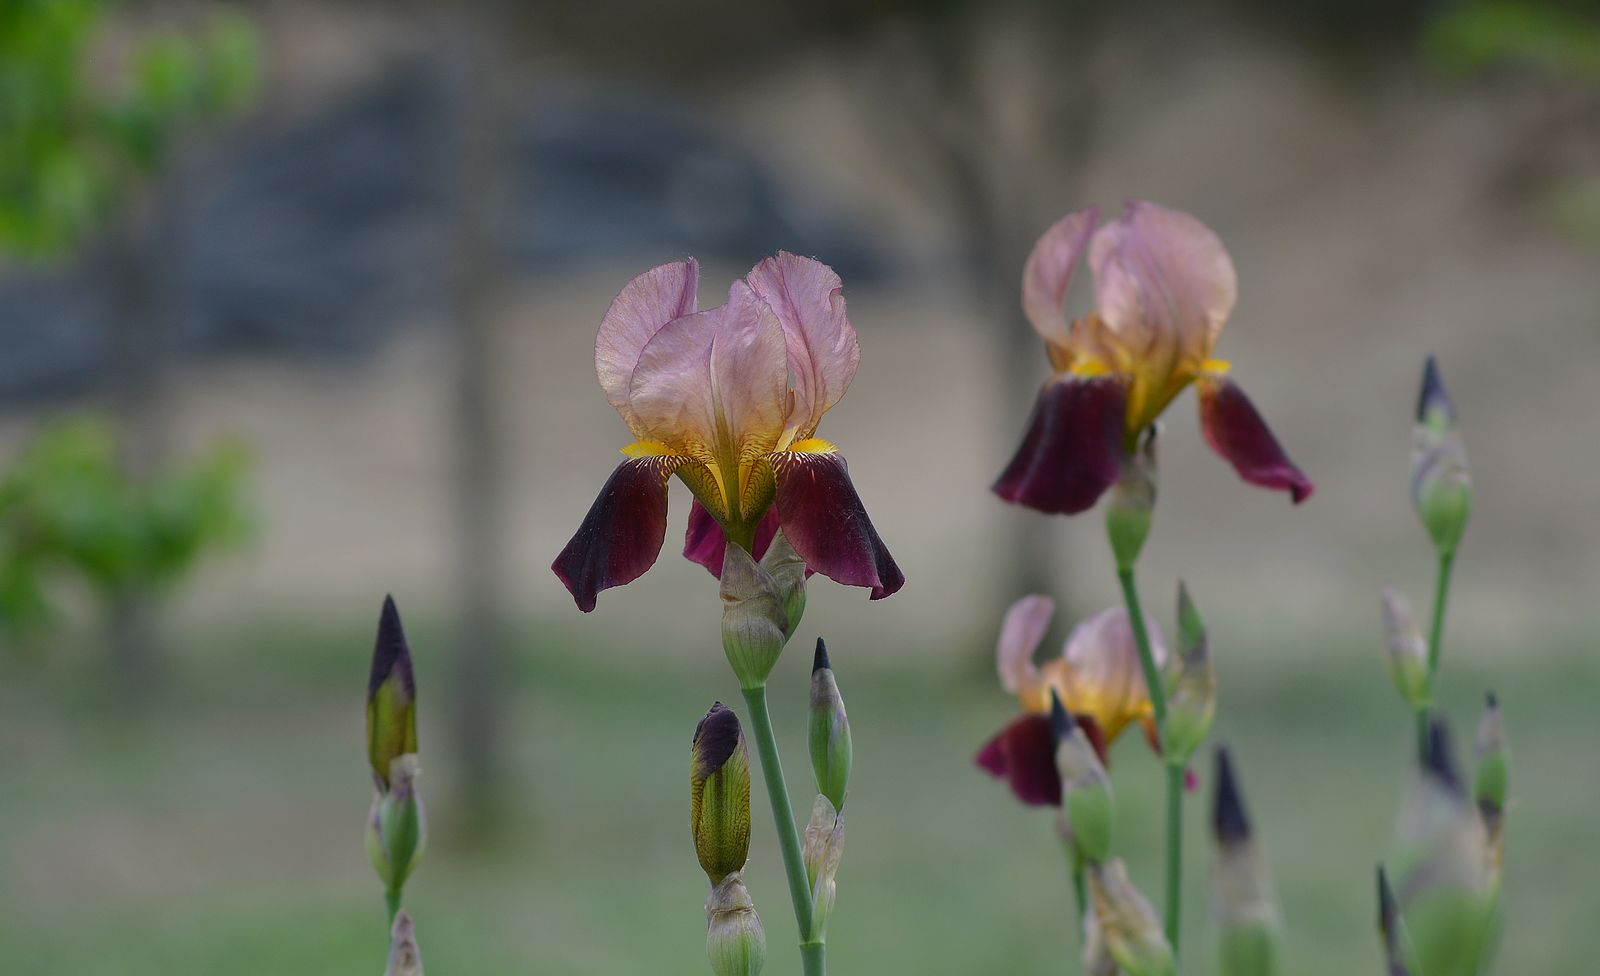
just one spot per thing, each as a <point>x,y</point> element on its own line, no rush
<point>823,518</point>
<point>1024,755</point>
<point>1236,431</point>
<point>622,534</point>
<point>1073,449</point>
<point>704,542</point>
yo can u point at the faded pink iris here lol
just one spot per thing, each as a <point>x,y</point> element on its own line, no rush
<point>1098,678</point>
<point>728,399</point>
<point>1164,288</point>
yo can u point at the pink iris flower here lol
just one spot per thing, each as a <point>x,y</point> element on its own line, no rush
<point>728,399</point>
<point>1164,288</point>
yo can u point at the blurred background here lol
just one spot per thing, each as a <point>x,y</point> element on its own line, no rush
<point>297,308</point>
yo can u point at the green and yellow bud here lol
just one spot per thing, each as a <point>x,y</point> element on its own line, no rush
<point>719,793</point>
<point>391,697</point>
<point>735,942</point>
<point>1408,652</point>
<point>1243,901</point>
<point>397,832</point>
<point>1192,691</point>
<point>755,621</point>
<point>1131,501</point>
<point>829,731</point>
<point>789,573</point>
<point>405,959</point>
<point>1128,925</point>
<point>1086,797</point>
<point>1441,488</point>
<point>1491,780</point>
<point>823,847</point>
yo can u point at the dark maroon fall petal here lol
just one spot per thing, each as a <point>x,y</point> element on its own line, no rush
<point>823,518</point>
<point>622,534</point>
<point>1072,451</point>
<point>1024,755</point>
<point>1236,431</point>
<point>704,542</point>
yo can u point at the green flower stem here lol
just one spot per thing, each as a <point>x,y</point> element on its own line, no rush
<point>1441,595</point>
<point>813,953</point>
<point>1080,894</point>
<point>1158,702</point>
<point>391,898</point>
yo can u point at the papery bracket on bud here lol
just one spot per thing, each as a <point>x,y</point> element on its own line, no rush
<point>755,619</point>
<point>736,945</point>
<point>822,850</point>
<point>1132,501</point>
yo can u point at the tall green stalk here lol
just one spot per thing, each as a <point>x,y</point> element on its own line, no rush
<point>813,953</point>
<point>1441,595</point>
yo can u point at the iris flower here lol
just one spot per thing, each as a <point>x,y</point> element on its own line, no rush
<point>728,399</point>
<point>1164,288</point>
<point>1097,676</point>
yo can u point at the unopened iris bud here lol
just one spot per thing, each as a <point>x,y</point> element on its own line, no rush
<point>1408,652</point>
<point>823,848</point>
<point>391,697</point>
<point>1192,697</point>
<point>1243,901</point>
<point>1086,796</point>
<point>789,573</point>
<point>755,622</point>
<point>1132,500</point>
<point>735,942</point>
<point>1441,488</point>
<point>396,827</point>
<point>719,793</point>
<point>1128,925</point>
<point>1491,779</point>
<point>405,959</point>
<point>829,731</point>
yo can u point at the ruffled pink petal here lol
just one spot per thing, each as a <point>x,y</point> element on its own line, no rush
<point>823,518</point>
<point>715,384</point>
<point>704,542</point>
<point>1073,448</point>
<point>823,351</point>
<point>1236,431</point>
<point>1048,272</point>
<point>644,305</point>
<point>1024,755</point>
<point>1164,284</point>
<point>622,534</point>
<point>1020,635</point>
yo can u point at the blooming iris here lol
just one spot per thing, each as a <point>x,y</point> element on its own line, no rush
<point>728,399</point>
<point>1164,288</point>
<point>1098,678</point>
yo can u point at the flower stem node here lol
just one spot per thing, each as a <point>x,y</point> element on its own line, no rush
<point>1192,687</point>
<point>1086,795</point>
<point>396,827</point>
<point>1441,488</point>
<point>824,846</point>
<point>1129,928</point>
<point>735,942</point>
<point>405,959</point>
<point>1133,500</point>
<point>1408,652</point>
<point>829,731</point>
<point>755,619</point>
<point>719,794</point>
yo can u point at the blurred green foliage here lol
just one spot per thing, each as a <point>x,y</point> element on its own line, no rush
<point>75,138</point>
<point>1557,37</point>
<point>69,510</point>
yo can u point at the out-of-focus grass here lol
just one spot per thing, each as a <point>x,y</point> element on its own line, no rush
<point>223,833</point>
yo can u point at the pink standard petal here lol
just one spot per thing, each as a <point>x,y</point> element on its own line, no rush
<point>644,305</point>
<point>1073,448</point>
<point>1020,635</point>
<point>621,536</point>
<point>1048,272</point>
<point>704,542</point>
<point>823,518</point>
<point>807,296</point>
<point>1024,755</point>
<point>1236,431</point>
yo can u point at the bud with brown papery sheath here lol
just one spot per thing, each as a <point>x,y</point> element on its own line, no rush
<point>1096,957</point>
<point>1244,904</point>
<point>735,942</point>
<point>1491,778</point>
<point>755,622</point>
<point>788,571</point>
<point>822,851</point>
<point>1086,796</point>
<point>1131,501</point>
<point>1441,489</point>
<point>829,731</point>
<point>1128,925</point>
<point>1408,652</point>
<point>405,959</point>
<point>719,793</point>
<point>397,829</point>
<point>1192,695</point>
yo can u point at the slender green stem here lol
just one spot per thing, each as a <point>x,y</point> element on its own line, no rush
<point>1141,637</point>
<point>813,954</point>
<point>1441,595</point>
<point>391,898</point>
<point>1075,860</point>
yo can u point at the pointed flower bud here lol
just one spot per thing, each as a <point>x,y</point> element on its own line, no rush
<point>719,793</point>
<point>789,573</point>
<point>1441,489</point>
<point>1391,928</point>
<point>735,942</point>
<point>405,959</point>
<point>1490,780</point>
<point>823,848</point>
<point>1243,900</point>
<point>1192,697</point>
<point>391,697</point>
<point>755,623</point>
<point>1408,652</point>
<point>1086,796</point>
<point>1128,925</point>
<point>397,832</point>
<point>829,731</point>
<point>1132,500</point>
